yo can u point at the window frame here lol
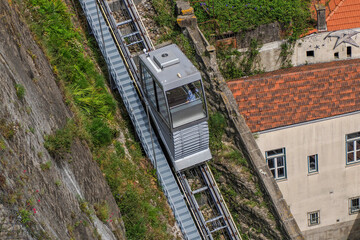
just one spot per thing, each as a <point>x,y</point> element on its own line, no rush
<point>351,211</point>
<point>155,84</point>
<point>354,151</point>
<point>309,218</point>
<point>316,164</point>
<point>275,157</point>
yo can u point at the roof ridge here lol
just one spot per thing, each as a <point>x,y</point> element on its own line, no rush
<point>335,9</point>
<point>313,70</point>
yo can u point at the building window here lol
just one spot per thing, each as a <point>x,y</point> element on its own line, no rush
<point>352,148</point>
<point>314,218</point>
<point>313,163</point>
<point>354,205</point>
<point>348,51</point>
<point>277,162</point>
<point>310,53</point>
<point>336,55</point>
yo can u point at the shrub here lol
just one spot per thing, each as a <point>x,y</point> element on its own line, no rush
<point>20,91</point>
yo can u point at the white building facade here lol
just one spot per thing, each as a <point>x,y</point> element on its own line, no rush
<point>317,167</point>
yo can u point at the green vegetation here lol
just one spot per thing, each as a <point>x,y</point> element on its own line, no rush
<point>46,166</point>
<point>59,143</point>
<point>20,91</point>
<point>2,145</point>
<point>242,15</point>
<point>166,20</point>
<point>25,216</point>
<point>135,189</point>
<point>8,130</point>
<point>102,211</point>
<point>146,215</point>
<point>217,124</point>
<point>100,132</point>
<point>234,64</point>
<point>58,183</point>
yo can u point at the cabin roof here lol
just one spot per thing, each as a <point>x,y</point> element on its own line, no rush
<point>170,67</point>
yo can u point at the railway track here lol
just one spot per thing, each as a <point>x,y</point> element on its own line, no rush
<point>211,218</point>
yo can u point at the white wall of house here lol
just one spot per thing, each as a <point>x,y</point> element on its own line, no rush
<point>322,47</point>
<point>328,190</point>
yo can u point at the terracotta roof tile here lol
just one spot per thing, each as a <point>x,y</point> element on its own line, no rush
<point>299,94</point>
<point>340,14</point>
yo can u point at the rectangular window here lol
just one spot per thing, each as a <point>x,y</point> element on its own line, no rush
<point>352,148</point>
<point>276,162</point>
<point>310,53</point>
<point>313,163</point>
<point>336,55</point>
<point>348,51</point>
<point>314,218</point>
<point>354,205</point>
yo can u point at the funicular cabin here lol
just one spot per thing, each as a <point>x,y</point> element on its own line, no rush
<point>173,88</point>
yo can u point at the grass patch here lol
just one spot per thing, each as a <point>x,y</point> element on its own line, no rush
<point>25,217</point>
<point>46,166</point>
<point>217,124</point>
<point>2,145</point>
<point>100,132</point>
<point>8,130</point>
<point>20,91</point>
<point>59,144</point>
<point>102,211</point>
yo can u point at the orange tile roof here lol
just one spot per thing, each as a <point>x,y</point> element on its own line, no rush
<point>299,94</point>
<point>340,14</point>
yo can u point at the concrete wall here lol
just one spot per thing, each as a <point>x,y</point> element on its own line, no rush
<point>323,47</point>
<point>328,190</point>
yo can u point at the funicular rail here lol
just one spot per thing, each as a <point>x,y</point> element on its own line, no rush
<point>115,48</point>
<point>202,195</point>
<point>121,75</point>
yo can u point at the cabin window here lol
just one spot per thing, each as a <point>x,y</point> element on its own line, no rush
<point>161,103</point>
<point>186,103</point>
<point>149,86</point>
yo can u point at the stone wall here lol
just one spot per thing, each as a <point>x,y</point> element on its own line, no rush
<point>221,99</point>
<point>41,197</point>
<point>263,34</point>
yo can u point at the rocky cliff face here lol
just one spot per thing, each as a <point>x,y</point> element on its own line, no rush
<point>41,197</point>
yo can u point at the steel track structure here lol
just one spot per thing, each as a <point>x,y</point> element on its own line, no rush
<point>114,46</point>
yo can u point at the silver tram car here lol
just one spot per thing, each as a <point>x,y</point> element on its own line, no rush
<point>175,94</point>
